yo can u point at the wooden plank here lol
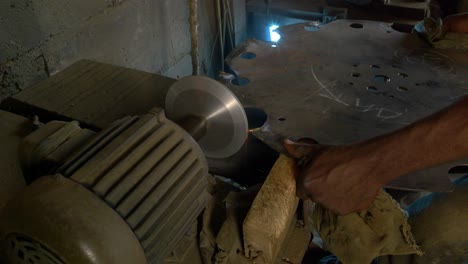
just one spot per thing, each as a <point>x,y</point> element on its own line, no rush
<point>54,95</point>
<point>96,94</point>
<point>50,86</point>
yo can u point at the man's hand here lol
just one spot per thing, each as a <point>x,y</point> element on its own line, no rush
<point>456,23</point>
<point>346,179</point>
<point>340,178</point>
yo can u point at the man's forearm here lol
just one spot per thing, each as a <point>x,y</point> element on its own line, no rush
<point>437,139</point>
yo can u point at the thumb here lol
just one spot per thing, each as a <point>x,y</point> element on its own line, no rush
<point>299,149</point>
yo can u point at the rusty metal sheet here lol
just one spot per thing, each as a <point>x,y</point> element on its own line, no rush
<point>346,81</point>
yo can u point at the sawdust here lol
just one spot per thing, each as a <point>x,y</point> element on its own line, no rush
<point>358,238</point>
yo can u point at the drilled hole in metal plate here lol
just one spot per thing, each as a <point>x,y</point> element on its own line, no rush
<point>281,119</point>
<point>404,28</point>
<point>402,88</point>
<point>381,78</point>
<point>248,55</point>
<point>374,66</point>
<point>404,75</point>
<point>356,25</point>
<point>355,74</point>
<point>372,89</point>
<point>458,169</point>
<point>256,117</point>
<point>240,81</point>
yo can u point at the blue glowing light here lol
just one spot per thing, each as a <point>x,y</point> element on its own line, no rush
<point>274,36</point>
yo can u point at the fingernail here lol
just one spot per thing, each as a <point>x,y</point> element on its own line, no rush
<point>296,143</point>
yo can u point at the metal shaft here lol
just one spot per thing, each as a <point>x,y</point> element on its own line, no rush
<point>194,125</point>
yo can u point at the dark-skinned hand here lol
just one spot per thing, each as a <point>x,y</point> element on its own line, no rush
<point>339,177</point>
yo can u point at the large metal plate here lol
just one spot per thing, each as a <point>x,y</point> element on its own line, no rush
<point>346,82</point>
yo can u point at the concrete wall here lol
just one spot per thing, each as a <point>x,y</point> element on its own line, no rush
<point>41,37</point>
<point>239,13</point>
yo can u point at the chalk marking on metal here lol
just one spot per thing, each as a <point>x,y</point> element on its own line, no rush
<point>330,94</point>
<point>382,110</point>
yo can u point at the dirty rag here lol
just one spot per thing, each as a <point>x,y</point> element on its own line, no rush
<point>358,238</point>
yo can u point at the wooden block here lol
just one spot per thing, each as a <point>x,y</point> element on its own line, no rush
<point>268,220</point>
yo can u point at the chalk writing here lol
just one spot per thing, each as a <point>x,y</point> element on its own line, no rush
<point>324,91</point>
<point>328,93</point>
<point>387,114</point>
<point>436,61</point>
<point>382,112</point>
